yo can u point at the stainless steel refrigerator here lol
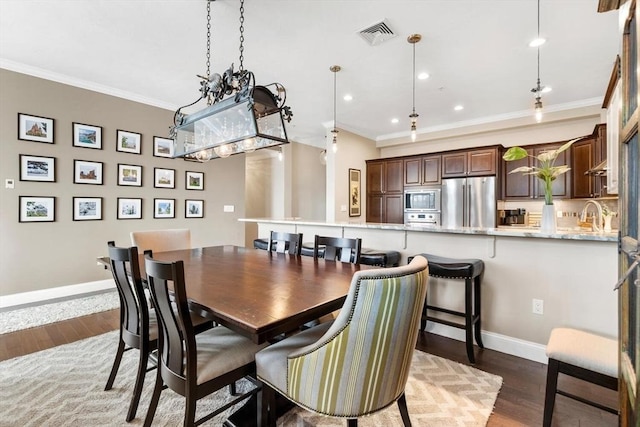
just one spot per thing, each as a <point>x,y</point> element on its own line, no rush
<point>469,202</point>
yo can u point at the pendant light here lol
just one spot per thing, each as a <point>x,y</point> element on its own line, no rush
<point>538,89</point>
<point>413,39</point>
<point>334,141</point>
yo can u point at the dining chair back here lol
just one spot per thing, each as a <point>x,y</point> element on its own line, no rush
<point>338,248</point>
<point>162,240</point>
<point>193,365</point>
<point>282,242</point>
<point>359,363</point>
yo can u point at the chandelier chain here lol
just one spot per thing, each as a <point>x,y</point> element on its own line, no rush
<point>334,99</point>
<point>241,68</point>
<point>414,78</point>
<point>209,95</point>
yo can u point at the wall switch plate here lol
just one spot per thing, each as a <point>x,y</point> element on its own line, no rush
<point>9,183</point>
<point>229,208</point>
<point>537,306</point>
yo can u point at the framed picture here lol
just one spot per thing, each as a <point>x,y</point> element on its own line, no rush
<point>130,175</point>
<point>37,168</point>
<point>87,136</point>
<point>128,142</point>
<point>37,209</point>
<point>163,147</point>
<point>129,208</point>
<point>164,208</point>
<point>87,208</point>
<point>194,180</point>
<point>86,172</point>
<point>194,208</point>
<point>164,178</point>
<point>354,192</point>
<point>34,128</point>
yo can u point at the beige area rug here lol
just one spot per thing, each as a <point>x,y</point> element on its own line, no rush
<point>30,317</point>
<point>64,386</point>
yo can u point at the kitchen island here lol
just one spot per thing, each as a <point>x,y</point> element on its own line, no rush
<point>571,271</point>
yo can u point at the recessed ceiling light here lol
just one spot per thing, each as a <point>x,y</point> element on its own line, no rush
<point>423,76</point>
<point>348,97</point>
<point>537,42</point>
<point>394,120</point>
<point>546,89</point>
<point>458,107</point>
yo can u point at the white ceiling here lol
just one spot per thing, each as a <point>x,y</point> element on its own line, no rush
<point>476,52</point>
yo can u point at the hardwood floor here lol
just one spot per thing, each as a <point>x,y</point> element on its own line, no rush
<point>520,401</point>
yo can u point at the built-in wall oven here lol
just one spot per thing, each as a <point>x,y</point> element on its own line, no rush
<point>422,206</point>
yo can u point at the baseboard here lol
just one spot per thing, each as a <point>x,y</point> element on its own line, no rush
<point>55,294</point>
<point>498,342</point>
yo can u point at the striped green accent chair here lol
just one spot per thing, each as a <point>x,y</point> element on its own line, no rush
<point>359,363</point>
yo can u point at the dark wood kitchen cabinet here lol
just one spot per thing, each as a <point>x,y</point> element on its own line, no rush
<point>582,159</point>
<point>385,185</point>
<point>423,170</point>
<point>481,162</point>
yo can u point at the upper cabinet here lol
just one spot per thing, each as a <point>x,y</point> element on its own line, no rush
<point>612,102</point>
<point>384,191</point>
<point>589,165</point>
<point>423,170</point>
<point>480,162</point>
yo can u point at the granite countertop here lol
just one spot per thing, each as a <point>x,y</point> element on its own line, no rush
<point>506,231</point>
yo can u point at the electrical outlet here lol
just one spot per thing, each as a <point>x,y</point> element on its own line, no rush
<point>537,306</point>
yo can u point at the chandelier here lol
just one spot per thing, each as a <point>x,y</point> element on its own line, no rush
<point>413,39</point>
<point>334,132</point>
<point>240,116</point>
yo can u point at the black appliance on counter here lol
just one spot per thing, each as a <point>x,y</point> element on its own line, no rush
<point>511,216</point>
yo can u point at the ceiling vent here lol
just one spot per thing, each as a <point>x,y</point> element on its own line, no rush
<point>377,33</point>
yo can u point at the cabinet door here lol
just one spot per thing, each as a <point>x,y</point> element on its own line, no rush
<point>431,170</point>
<point>561,185</point>
<point>413,171</point>
<point>454,165</point>
<point>393,209</point>
<point>394,182</point>
<point>482,162</point>
<point>375,177</point>
<point>375,211</point>
<point>517,185</point>
<point>582,159</point>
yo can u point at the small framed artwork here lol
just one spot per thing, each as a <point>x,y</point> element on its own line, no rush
<point>37,209</point>
<point>130,175</point>
<point>354,192</point>
<point>163,147</point>
<point>87,136</point>
<point>164,178</point>
<point>129,208</point>
<point>87,208</point>
<point>194,208</point>
<point>34,128</point>
<point>194,180</point>
<point>37,168</point>
<point>164,208</point>
<point>129,142</point>
<point>86,172</point>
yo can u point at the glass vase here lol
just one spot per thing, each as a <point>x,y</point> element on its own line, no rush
<point>548,224</point>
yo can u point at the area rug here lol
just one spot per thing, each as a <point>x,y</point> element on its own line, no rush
<point>64,386</point>
<point>30,317</point>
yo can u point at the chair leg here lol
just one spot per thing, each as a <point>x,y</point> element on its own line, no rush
<point>268,406</point>
<point>137,389</point>
<point>550,393</point>
<point>468,320</point>
<point>232,389</point>
<point>404,412</point>
<point>116,365</point>
<point>155,397</point>
<point>352,422</point>
<point>190,410</point>
<point>477,310</point>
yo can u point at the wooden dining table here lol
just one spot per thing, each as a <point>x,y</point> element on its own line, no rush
<point>257,293</point>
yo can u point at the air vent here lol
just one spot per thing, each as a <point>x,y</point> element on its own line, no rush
<point>377,33</point>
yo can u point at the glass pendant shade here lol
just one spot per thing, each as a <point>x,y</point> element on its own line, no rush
<point>231,127</point>
<point>538,110</point>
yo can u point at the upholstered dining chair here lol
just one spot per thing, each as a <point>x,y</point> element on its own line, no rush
<point>358,364</point>
<point>191,365</point>
<point>138,323</point>
<point>282,242</point>
<point>162,240</point>
<point>338,248</point>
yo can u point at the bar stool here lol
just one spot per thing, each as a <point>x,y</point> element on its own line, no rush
<point>471,271</point>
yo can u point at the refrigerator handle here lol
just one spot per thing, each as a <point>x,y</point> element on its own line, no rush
<point>467,201</point>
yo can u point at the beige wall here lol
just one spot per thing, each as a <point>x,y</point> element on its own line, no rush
<point>35,256</point>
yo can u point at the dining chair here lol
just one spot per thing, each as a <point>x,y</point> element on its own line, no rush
<point>282,242</point>
<point>191,365</point>
<point>138,323</point>
<point>338,248</point>
<point>162,240</point>
<point>359,363</point>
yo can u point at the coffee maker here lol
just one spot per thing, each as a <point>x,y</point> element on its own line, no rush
<point>512,217</point>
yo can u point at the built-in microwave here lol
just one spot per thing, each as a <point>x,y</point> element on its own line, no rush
<point>424,199</point>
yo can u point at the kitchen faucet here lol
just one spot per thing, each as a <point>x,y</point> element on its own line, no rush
<point>596,221</point>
